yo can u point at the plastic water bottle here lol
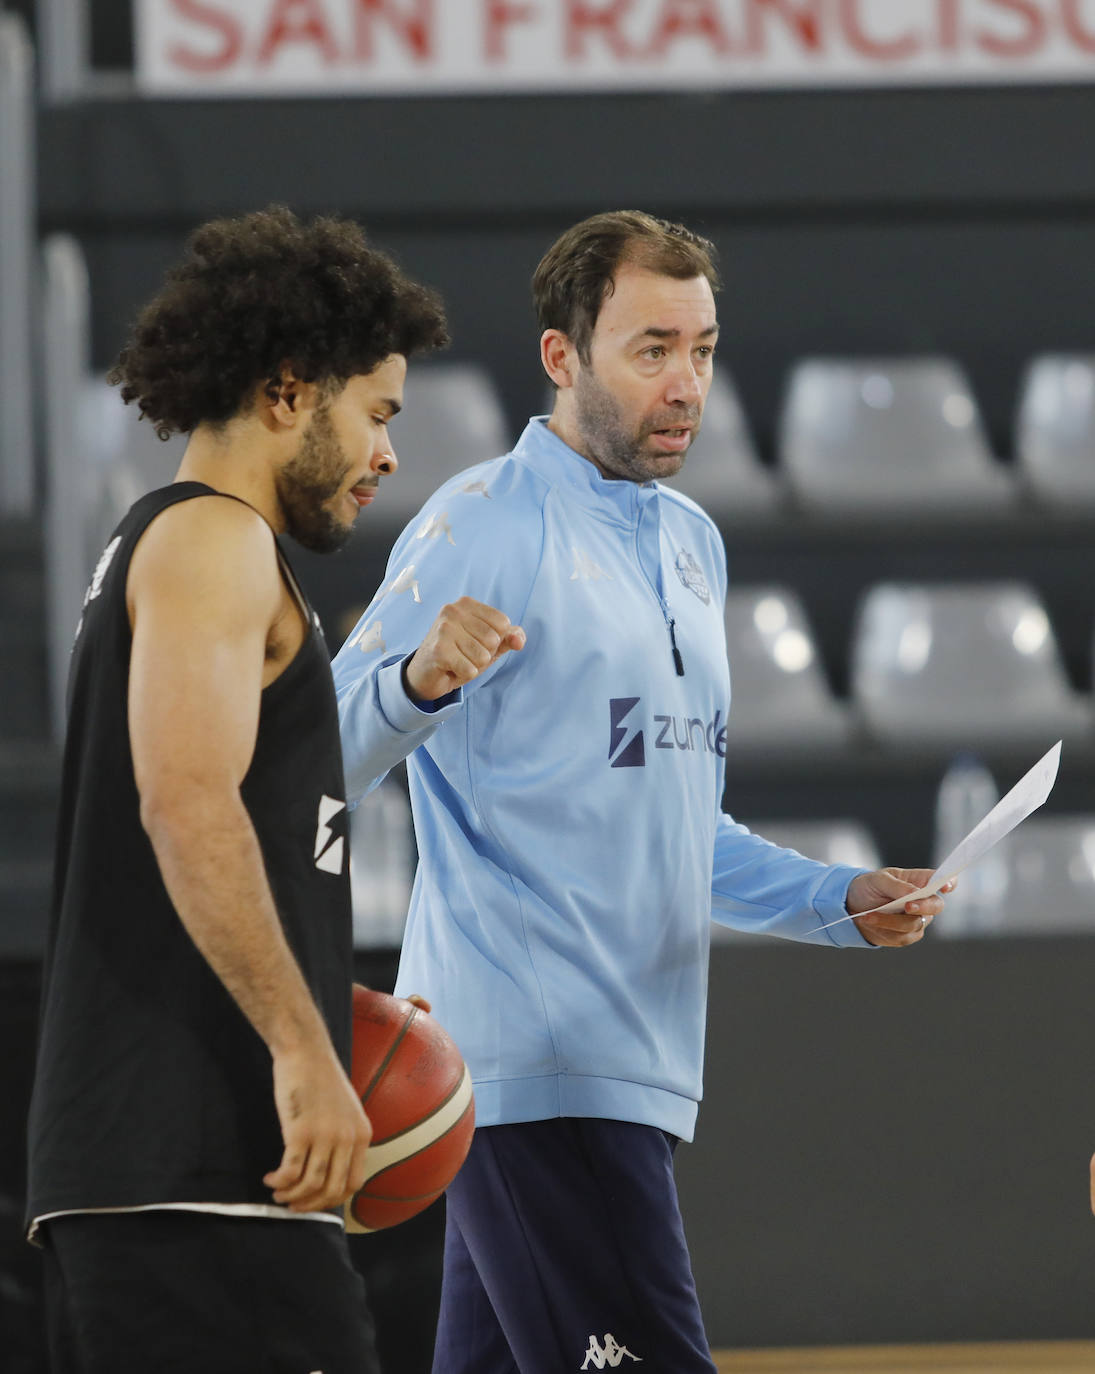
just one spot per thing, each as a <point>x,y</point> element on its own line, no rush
<point>967,793</point>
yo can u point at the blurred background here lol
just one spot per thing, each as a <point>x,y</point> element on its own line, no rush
<point>899,449</point>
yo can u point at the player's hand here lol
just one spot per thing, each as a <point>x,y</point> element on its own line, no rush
<point>325,1130</point>
<point>897,928</point>
<point>464,640</point>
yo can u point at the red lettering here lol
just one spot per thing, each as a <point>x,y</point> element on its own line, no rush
<point>583,17</point>
<point>908,45</point>
<point>691,19</point>
<point>415,27</point>
<point>229,30</point>
<point>499,14</point>
<point>804,20</point>
<point>1029,41</point>
<point>297,21</point>
<point>949,35</point>
<point>1070,14</point>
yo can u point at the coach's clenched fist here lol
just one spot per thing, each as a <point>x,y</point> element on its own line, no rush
<point>464,640</point>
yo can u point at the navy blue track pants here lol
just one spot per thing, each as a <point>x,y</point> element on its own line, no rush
<point>564,1250</point>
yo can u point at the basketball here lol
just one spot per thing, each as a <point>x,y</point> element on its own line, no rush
<point>416,1091</point>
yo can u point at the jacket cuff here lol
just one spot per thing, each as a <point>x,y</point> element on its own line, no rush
<point>400,711</point>
<point>830,903</point>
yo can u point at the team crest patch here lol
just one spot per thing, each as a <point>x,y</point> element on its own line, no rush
<point>691,574</point>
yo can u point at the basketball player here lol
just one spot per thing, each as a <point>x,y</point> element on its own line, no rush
<point>193,1124</point>
<point>564,720</point>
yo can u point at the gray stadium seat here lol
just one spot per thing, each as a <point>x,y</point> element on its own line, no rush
<point>124,459</point>
<point>896,436</point>
<point>780,699</point>
<point>830,842</point>
<point>1051,877</point>
<point>722,471</point>
<point>1055,431</point>
<point>382,863</point>
<point>451,418</point>
<point>968,666</point>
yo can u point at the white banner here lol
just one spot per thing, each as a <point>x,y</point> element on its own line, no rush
<point>419,47</point>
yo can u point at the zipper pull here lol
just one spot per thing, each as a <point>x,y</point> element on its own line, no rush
<point>678,662</point>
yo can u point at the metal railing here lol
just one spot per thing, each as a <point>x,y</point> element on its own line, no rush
<point>17,261</point>
<point>66,325</point>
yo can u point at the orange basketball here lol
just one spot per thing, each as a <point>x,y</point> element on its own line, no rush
<point>416,1091</point>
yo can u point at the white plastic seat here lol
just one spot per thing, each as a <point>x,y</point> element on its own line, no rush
<point>124,459</point>
<point>1051,877</point>
<point>840,841</point>
<point>451,418</point>
<point>382,863</point>
<point>898,436</point>
<point>1055,430</point>
<point>780,699</point>
<point>721,470</point>
<point>966,666</point>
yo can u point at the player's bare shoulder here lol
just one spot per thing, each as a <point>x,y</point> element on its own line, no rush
<point>210,556</point>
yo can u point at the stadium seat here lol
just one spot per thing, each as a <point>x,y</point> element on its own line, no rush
<point>722,471</point>
<point>1055,431</point>
<point>830,841</point>
<point>451,418</point>
<point>966,666</point>
<point>780,699</point>
<point>1051,877</point>
<point>382,863</point>
<point>124,459</point>
<point>892,436</point>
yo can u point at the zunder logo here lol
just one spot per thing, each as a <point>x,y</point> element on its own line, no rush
<point>685,734</point>
<point>330,851</point>
<point>607,1356</point>
<point>633,753</point>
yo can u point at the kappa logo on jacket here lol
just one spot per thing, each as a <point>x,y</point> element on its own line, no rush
<point>585,569</point>
<point>607,1356</point>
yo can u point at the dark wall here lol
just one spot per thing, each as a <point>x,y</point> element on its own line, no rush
<point>893,1147</point>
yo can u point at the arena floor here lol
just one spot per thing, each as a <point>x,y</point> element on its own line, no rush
<point>1010,1357</point>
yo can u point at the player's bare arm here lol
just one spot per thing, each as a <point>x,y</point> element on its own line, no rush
<point>897,928</point>
<point>207,607</point>
<point>465,640</point>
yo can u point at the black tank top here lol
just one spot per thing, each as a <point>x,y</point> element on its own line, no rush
<point>151,1085</point>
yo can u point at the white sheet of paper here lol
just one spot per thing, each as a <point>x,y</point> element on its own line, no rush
<point>1029,793</point>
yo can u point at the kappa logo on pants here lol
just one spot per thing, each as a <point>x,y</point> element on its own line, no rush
<point>607,1356</point>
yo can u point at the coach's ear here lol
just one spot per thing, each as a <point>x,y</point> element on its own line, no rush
<point>559,357</point>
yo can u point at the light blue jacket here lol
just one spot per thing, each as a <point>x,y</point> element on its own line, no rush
<point>568,802</point>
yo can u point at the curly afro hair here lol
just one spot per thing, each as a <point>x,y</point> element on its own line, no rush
<point>254,293</point>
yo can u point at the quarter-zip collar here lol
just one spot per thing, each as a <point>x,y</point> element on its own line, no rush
<point>612,498</point>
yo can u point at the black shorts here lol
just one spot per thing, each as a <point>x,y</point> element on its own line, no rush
<point>168,1292</point>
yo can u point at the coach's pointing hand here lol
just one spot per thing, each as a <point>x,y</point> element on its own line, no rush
<point>464,640</point>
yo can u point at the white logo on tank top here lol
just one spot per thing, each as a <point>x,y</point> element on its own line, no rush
<point>97,577</point>
<point>330,853</point>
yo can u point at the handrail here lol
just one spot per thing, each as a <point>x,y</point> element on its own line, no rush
<point>17,276</point>
<point>66,347</point>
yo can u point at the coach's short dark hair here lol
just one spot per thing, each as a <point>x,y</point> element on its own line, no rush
<point>255,293</point>
<point>577,272</point>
